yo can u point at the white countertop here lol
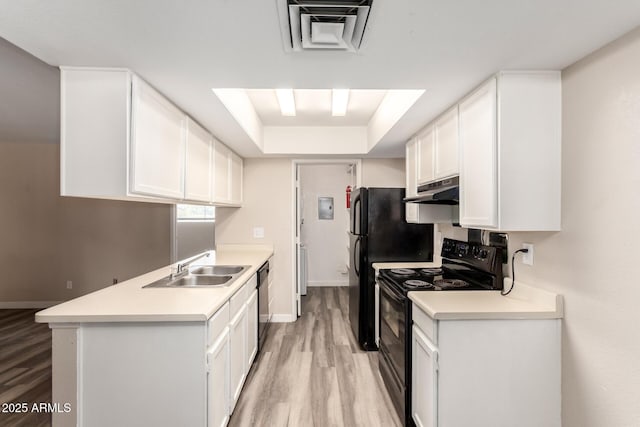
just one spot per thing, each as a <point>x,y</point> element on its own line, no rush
<point>129,302</point>
<point>524,302</point>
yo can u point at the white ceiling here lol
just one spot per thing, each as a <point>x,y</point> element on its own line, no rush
<point>186,48</point>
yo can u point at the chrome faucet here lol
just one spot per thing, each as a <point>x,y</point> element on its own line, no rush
<point>182,267</point>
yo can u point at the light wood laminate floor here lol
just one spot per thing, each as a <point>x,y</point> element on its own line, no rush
<point>25,367</point>
<point>313,373</point>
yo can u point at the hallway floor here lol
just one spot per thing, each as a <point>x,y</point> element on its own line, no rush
<point>313,373</point>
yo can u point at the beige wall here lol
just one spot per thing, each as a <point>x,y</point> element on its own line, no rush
<point>383,173</point>
<point>267,203</point>
<point>46,239</point>
<point>593,261</point>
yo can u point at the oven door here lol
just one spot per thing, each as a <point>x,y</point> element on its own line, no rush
<point>393,329</point>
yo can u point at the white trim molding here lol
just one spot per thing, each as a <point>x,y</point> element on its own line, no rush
<point>283,318</point>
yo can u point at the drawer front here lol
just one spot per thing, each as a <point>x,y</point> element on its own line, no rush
<point>217,323</point>
<point>426,324</point>
<point>238,300</point>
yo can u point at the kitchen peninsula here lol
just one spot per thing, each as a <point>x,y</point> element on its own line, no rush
<point>129,355</point>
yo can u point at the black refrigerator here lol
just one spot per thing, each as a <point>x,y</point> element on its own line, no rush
<point>379,233</point>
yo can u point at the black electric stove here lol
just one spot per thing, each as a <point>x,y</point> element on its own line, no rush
<point>465,267</point>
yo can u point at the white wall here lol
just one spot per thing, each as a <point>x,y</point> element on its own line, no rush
<point>593,260</point>
<point>326,240</point>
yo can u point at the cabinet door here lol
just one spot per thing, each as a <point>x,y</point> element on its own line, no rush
<point>478,160</point>
<point>252,328</point>
<point>237,355</point>
<point>446,144</point>
<point>411,156</point>
<point>157,144</point>
<point>218,382</point>
<point>236,178</point>
<point>222,156</point>
<point>425,155</point>
<point>198,164</point>
<point>424,378</point>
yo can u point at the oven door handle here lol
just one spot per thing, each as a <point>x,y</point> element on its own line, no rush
<point>391,293</point>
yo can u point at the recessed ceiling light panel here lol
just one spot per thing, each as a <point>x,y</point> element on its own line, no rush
<point>287,102</point>
<point>339,102</point>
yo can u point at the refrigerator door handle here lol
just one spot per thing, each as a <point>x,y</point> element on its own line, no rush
<point>356,256</point>
<point>356,214</point>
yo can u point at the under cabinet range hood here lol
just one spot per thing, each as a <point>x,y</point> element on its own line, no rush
<point>441,192</point>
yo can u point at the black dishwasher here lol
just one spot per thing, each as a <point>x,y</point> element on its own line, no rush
<point>264,316</point>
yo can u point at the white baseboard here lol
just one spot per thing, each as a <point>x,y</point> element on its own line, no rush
<point>326,284</point>
<point>283,318</point>
<point>28,304</point>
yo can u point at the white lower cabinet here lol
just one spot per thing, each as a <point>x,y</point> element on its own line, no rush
<point>218,382</point>
<point>424,377</point>
<point>237,357</point>
<point>252,328</point>
<point>485,372</point>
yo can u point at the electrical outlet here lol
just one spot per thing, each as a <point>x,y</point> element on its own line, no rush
<point>258,232</point>
<point>69,284</point>
<point>528,257</point>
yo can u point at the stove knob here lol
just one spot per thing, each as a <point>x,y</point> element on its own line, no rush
<point>484,253</point>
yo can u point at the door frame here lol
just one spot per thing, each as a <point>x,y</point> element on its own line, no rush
<point>295,164</point>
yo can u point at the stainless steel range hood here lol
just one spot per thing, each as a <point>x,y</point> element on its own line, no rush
<point>441,192</point>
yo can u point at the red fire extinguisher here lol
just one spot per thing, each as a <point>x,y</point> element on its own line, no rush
<point>348,196</point>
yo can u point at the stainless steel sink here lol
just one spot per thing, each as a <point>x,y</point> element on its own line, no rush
<point>201,276</point>
<point>190,281</point>
<point>217,269</point>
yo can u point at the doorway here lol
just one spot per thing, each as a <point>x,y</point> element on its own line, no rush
<point>322,225</point>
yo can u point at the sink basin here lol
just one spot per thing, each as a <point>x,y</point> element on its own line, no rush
<point>191,282</point>
<point>217,269</point>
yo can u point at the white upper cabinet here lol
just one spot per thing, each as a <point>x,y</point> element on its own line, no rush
<point>236,179</point>
<point>199,165</point>
<point>411,209</point>
<point>479,204</point>
<point>425,150</point>
<point>121,139</point>
<point>510,153</point>
<point>157,144</point>
<point>446,145</point>
<point>228,176</point>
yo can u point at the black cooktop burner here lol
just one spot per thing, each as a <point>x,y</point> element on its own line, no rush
<point>451,284</point>
<point>403,271</point>
<point>431,271</point>
<point>417,284</point>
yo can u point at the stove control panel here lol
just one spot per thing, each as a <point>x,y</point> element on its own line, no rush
<point>485,258</point>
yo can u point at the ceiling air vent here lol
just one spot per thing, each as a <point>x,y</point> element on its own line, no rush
<point>323,24</point>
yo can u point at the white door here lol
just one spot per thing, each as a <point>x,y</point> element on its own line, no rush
<point>252,328</point>
<point>425,155</point>
<point>299,260</point>
<point>198,164</point>
<point>411,152</point>
<point>222,157</point>
<point>157,144</point>
<point>218,382</point>
<point>237,355</point>
<point>478,158</point>
<point>424,378</point>
<point>235,176</point>
<point>446,145</point>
